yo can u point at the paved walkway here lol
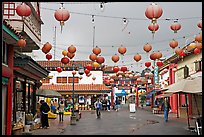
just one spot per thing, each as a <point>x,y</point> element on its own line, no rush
<point>143,122</point>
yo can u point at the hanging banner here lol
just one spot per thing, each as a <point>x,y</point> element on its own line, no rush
<point>156,75</point>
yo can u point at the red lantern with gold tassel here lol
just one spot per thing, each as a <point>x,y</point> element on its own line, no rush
<point>115,58</point>
<point>23,10</point>
<point>175,26</point>
<point>137,57</point>
<point>93,57</point>
<point>96,50</point>
<point>153,28</point>
<point>122,50</point>
<point>21,43</point>
<point>199,24</point>
<point>48,56</point>
<point>198,38</point>
<point>153,12</point>
<point>62,15</point>
<point>72,49</point>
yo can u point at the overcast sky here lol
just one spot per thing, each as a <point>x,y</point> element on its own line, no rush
<point>111,32</point>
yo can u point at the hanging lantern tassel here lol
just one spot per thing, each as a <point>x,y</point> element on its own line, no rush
<point>61,24</point>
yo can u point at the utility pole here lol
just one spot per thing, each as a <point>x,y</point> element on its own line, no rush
<point>54,40</point>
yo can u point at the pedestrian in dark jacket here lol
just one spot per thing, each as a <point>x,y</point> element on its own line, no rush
<point>166,107</point>
<point>44,109</point>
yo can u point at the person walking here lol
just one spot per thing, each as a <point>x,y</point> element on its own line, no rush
<point>98,106</point>
<point>117,104</point>
<point>61,110</point>
<point>44,109</point>
<point>56,105</point>
<point>166,107</point>
<point>108,104</point>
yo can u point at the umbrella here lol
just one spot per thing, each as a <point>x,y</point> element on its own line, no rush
<point>47,93</point>
<point>188,85</point>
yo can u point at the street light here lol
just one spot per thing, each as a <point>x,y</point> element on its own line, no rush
<point>81,72</point>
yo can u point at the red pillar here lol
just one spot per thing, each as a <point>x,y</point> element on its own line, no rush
<point>112,96</point>
<point>137,98</point>
<point>10,90</point>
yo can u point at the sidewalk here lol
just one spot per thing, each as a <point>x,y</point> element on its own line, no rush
<point>55,128</point>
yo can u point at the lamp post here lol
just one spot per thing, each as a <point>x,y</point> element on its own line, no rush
<point>81,72</point>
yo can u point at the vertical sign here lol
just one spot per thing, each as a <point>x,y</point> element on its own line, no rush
<point>156,76</point>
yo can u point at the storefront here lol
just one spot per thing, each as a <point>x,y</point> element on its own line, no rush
<point>84,94</point>
<point>10,38</point>
<point>27,74</point>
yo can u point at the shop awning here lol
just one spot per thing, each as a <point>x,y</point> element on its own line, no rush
<point>150,93</point>
<point>121,93</point>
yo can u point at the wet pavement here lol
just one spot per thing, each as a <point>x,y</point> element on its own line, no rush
<point>142,122</point>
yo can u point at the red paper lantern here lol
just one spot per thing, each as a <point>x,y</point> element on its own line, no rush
<point>159,63</point>
<point>62,15</point>
<point>198,45</point>
<point>147,47</point>
<point>137,57</point>
<point>46,47</point>
<point>178,51</point>
<point>153,27</point>
<point>93,57</point>
<point>48,56</point>
<point>65,60</point>
<point>123,68</point>
<point>115,58</point>
<point>196,51</point>
<point>175,26</point>
<point>173,44</point>
<point>158,55</point>
<point>59,69</point>
<point>21,43</point>
<point>198,38</point>
<point>153,12</point>
<point>86,71</point>
<point>116,69</point>
<point>96,50</point>
<point>23,10</point>
<point>147,64</point>
<point>182,54</point>
<point>199,24</point>
<point>70,55</point>
<point>72,49</point>
<point>153,56</point>
<point>89,67</point>
<point>100,60</point>
<point>122,50</point>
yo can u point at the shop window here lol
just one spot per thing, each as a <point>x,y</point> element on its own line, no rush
<point>9,9</point>
<point>198,66</point>
<point>76,79</point>
<point>46,80</point>
<point>61,79</point>
<point>4,53</point>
